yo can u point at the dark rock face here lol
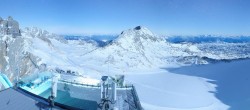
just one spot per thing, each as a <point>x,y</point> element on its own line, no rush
<point>137,28</point>
<point>9,27</point>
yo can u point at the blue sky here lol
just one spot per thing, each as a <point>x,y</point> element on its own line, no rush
<point>164,17</point>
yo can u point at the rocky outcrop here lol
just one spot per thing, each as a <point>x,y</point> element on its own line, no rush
<point>14,59</point>
<point>9,27</point>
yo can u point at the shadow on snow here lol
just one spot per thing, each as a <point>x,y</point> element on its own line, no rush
<point>232,80</point>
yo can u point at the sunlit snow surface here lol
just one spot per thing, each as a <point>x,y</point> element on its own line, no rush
<point>218,86</point>
<point>162,72</point>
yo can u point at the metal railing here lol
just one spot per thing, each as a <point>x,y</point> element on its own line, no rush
<point>136,98</point>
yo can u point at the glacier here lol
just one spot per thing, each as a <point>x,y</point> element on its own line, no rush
<point>168,75</point>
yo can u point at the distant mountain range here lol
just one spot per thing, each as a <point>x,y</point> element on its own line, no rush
<point>173,39</point>
<point>208,39</point>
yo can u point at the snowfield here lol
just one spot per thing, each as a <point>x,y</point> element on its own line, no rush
<point>221,86</point>
<point>167,76</point>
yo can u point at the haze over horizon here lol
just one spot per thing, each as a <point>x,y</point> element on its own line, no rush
<point>163,17</point>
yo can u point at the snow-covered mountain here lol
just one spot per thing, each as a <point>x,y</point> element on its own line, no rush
<point>134,49</point>
<point>139,54</point>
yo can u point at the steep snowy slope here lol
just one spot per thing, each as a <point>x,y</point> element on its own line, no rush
<point>134,49</point>
<point>55,52</point>
<point>139,48</point>
<point>137,53</point>
<point>37,48</point>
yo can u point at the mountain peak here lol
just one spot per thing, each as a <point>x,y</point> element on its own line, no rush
<point>137,31</point>
<point>137,28</point>
<point>143,30</point>
<point>9,27</point>
<point>137,40</point>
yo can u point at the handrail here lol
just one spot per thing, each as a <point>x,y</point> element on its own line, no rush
<point>89,85</point>
<point>79,83</point>
<point>136,99</point>
<point>5,81</point>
